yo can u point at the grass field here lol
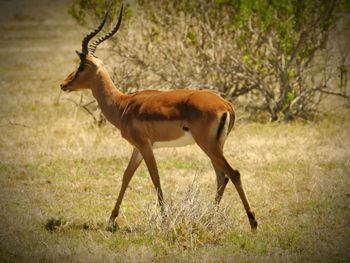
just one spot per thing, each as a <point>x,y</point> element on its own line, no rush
<point>60,173</point>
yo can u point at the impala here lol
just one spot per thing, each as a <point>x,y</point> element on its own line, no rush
<point>151,119</point>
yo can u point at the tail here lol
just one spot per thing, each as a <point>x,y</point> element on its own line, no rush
<point>222,124</point>
<point>232,121</point>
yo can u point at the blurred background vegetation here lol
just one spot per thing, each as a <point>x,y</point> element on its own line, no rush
<point>279,59</point>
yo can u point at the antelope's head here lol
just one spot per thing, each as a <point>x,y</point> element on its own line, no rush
<point>81,77</point>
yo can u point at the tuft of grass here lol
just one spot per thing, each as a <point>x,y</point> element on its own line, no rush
<point>54,224</point>
<point>190,222</point>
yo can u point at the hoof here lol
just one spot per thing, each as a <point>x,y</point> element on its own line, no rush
<point>252,221</point>
<point>112,226</point>
<point>253,225</point>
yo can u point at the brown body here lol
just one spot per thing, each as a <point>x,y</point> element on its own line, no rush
<point>165,115</point>
<point>151,119</point>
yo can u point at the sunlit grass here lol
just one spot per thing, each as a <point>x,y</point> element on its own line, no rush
<point>300,196</point>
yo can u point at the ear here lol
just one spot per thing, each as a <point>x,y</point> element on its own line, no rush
<point>81,55</point>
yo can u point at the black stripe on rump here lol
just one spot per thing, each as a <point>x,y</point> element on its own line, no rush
<point>221,125</point>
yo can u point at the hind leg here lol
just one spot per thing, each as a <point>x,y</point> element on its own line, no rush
<point>221,181</point>
<point>205,134</point>
<point>234,175</point>
<point>214,151</point>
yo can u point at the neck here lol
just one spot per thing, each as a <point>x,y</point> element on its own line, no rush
<point>108,97</point>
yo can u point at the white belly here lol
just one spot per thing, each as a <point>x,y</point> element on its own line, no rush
<point>187,139</point>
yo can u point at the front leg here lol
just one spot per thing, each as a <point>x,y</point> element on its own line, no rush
<point>147,153</point>
<point>134,163</point>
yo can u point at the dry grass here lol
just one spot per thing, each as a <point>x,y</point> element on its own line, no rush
<point>60,174</point>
